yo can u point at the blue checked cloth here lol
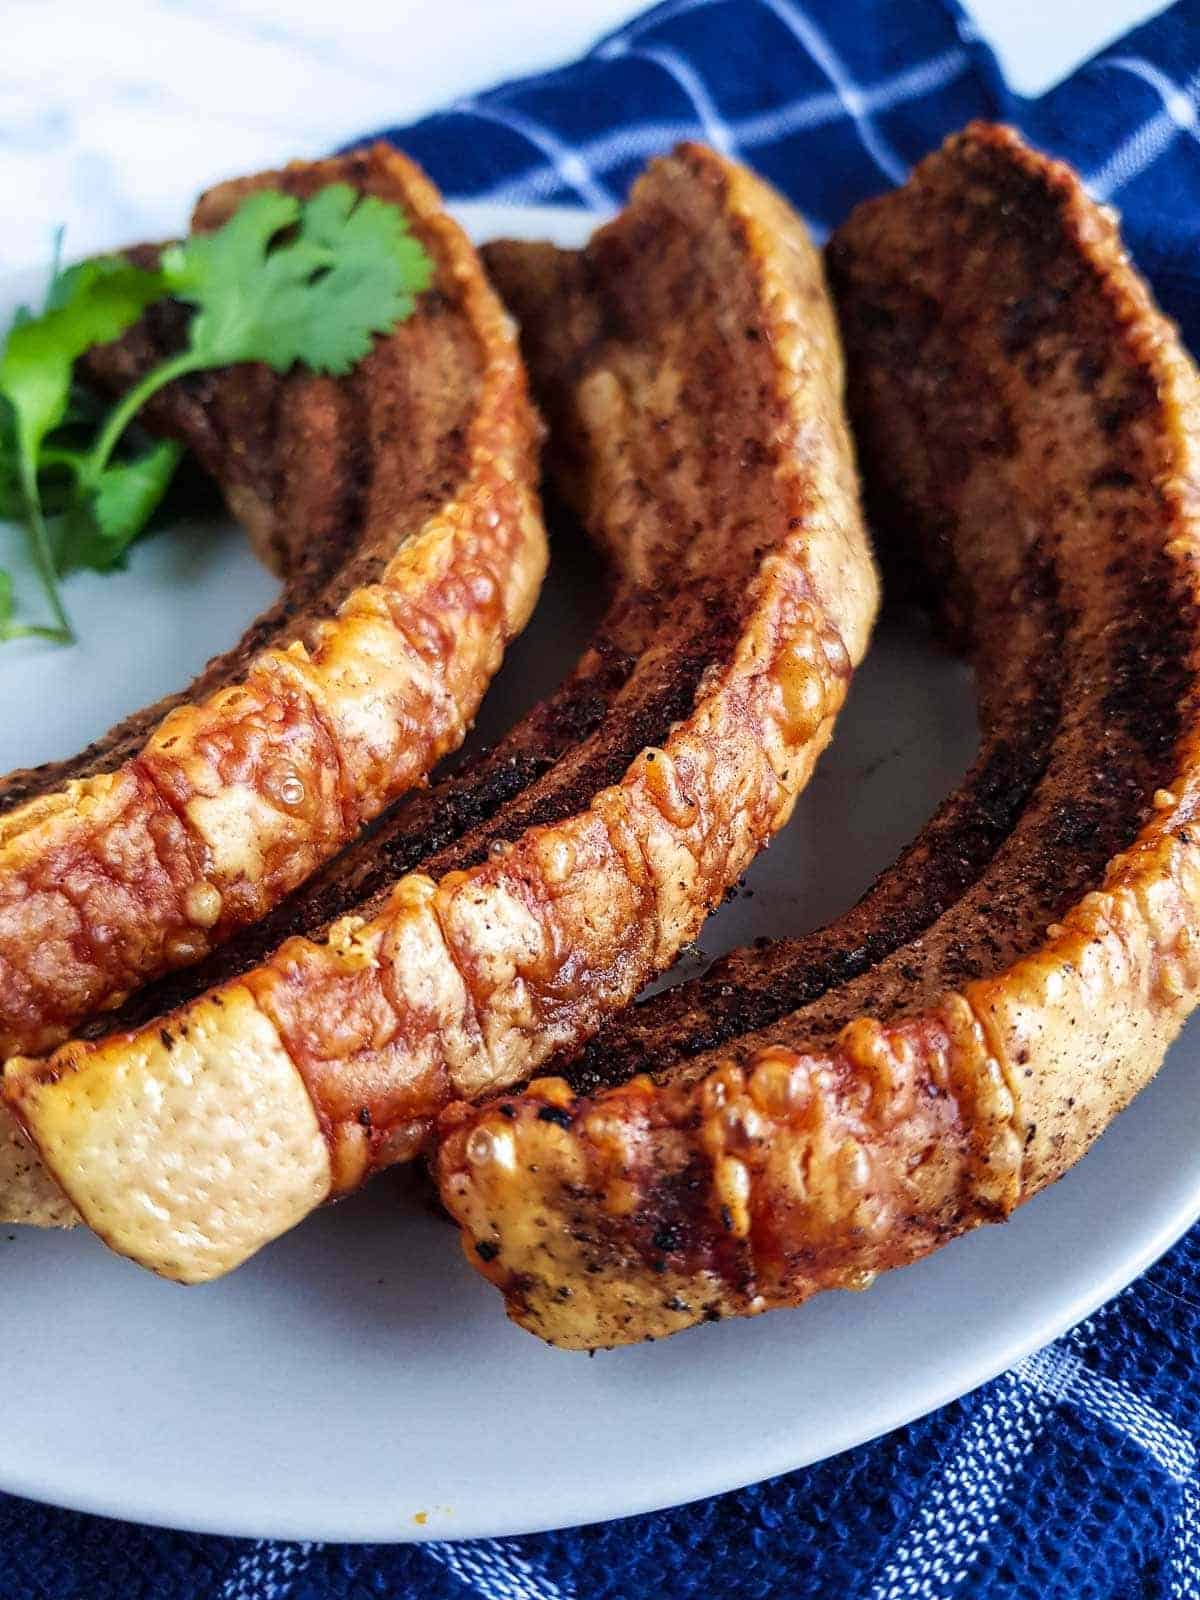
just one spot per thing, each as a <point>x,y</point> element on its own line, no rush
<point>1075,1474</point>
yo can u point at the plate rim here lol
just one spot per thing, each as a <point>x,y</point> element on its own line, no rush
<point>698,1484</point>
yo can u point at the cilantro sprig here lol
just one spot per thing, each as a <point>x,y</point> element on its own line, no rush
<point>88,305</point>
<point>284,282</point>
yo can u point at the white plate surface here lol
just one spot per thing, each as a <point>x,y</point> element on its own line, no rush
<point>358,1380</point>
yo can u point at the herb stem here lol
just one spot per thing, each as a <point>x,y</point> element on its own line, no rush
<point>34,630</point>
<point>43,556</point>
<point>48,457</point>
<point>123,414</point>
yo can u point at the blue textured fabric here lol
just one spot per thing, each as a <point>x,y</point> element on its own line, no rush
<point>1074,1475</point>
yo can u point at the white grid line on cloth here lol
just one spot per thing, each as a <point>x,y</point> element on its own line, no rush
<point>715,129</point>
<point>766,126</point>
<point>569,166</point>
<point>611,46</point>
<point>813,111</point>
<point>1118,1405</point>
<point>1154,137</point>
<point>491,1569</point>
<point>1176,100</point>
<point>1052,1370</point>
<point>1183,1553</point>
<point>959,1509</point>
<point>268,1570</point>
<point>805,31</point>
<point>1155,1433</point>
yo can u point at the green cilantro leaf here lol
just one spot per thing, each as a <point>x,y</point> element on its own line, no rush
<point>282,282</point>
<point>233,282</point>
<point>10,629</point>
<point>90,304</point>
<point>348,270</point>
<point>100,526</point>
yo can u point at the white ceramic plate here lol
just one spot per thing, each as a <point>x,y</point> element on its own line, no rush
<point>358,1380</point>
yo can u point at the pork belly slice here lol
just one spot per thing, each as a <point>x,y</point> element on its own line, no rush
<point>400,506</point>
<point>806,1116</point>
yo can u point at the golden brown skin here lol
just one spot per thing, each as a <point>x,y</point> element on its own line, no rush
<point>809,1115</point>
<point>701,374</point>
<point>401,505</point>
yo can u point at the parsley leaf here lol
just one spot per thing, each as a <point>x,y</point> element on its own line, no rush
<point>6,604</point>
<point>90,304</point>
<point>10,629</point>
